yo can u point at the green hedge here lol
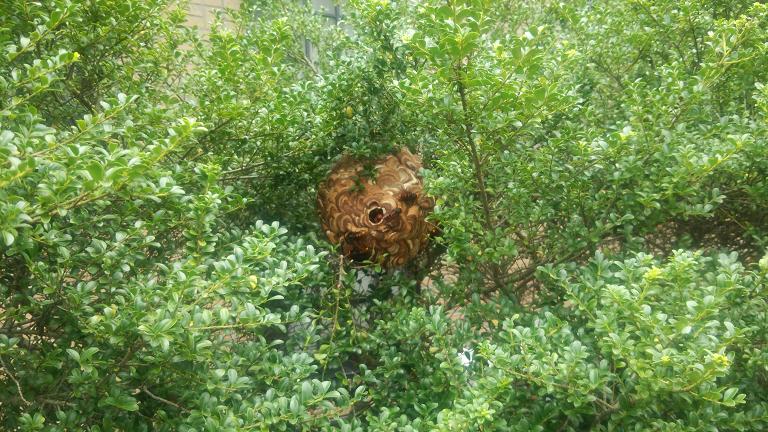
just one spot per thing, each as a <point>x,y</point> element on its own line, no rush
<point>600,173</point>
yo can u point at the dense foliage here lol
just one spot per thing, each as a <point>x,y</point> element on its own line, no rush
<point>601,176</point>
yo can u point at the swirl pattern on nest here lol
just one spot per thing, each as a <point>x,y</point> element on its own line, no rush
<point>381,219</point>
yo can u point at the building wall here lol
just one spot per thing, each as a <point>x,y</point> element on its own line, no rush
<point>329,8</point>
<point>202,12</point>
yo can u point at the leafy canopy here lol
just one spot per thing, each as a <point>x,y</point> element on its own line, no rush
<point>600,174</point>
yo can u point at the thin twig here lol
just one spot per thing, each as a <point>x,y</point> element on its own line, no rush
<point>57,402</point>
<point>164,400</point>
<point>13,378</point>
<point>476,162</point>
<point>339,286</point>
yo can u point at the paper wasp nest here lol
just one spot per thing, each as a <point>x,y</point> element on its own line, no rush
<point>382,218</point>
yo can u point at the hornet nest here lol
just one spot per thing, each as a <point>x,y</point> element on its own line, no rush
<point>381,219</point>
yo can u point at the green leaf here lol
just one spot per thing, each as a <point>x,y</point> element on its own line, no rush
<point>295,407</point>
<point>73,354</point>
<point>8,238</point>
<point>123,402</point>
<point>306,391</point>
<point>728,396</point>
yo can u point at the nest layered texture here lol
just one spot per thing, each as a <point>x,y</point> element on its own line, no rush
<point>379,218</point>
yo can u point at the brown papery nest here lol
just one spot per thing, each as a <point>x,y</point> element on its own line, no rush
<point>379,217</point>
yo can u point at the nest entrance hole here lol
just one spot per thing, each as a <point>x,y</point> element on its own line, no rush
<point>376,215</point>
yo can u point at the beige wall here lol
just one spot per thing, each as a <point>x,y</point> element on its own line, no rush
<point>201,12</point>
